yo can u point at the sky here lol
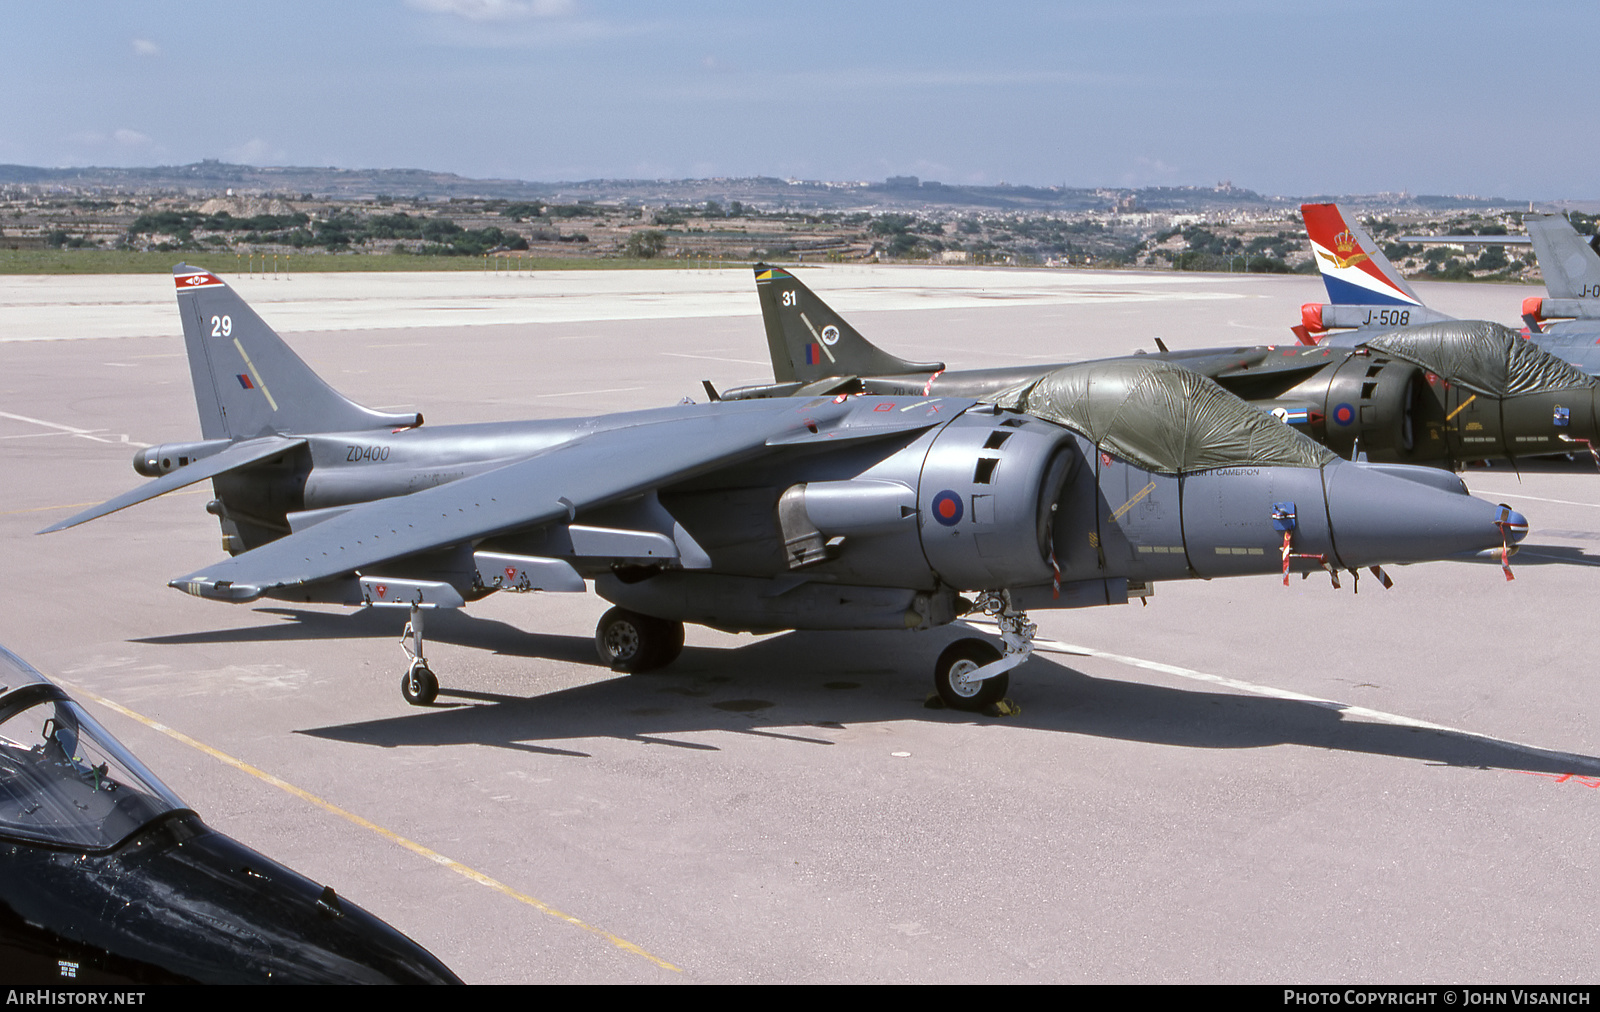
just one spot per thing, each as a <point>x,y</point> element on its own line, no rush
<point>1280,96</point>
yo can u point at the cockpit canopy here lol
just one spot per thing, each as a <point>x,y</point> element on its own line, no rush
<point>1163,417</point>
<point>64,781</point>
<point>1484,357</point>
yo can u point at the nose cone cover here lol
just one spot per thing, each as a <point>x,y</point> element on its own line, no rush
<point>1515,524</point>
<point>1380,519</point>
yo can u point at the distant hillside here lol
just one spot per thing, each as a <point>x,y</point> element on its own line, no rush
<point>210,178</point>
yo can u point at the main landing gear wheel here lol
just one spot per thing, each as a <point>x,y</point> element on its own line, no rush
<point>419,685</point>
<point>951,676</point>
<point>628,641</point>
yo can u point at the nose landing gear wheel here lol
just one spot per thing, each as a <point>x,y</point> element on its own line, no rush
<point>952,676</point>
<point>628,641</point>
<point>419,685</point>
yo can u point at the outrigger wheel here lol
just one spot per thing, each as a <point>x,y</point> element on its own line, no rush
<point>951,675</point>
<point>419,685</point>
<point>631,642</point>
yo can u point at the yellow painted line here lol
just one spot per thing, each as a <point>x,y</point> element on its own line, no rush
<point>1461,408</point>
<point>1125,507</point>
<point>81,505</point>
<point>393,837</point>
<point>46,509</point>
<point>257,376</point>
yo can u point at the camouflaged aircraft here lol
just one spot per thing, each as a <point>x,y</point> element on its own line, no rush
<point>904,511</point>
<point>1439,394</point>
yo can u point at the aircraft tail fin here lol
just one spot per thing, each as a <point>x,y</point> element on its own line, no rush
<point>1354,269</point>
<point>809,341</point>
<point>1569,263</point>
<point>247,382</point>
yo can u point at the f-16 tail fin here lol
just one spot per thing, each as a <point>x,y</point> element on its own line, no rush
<point>1568,261</point>
<point>809,341</point>
<point>1364,289</point>
<point>247,382</point>
<point>1354,269</point>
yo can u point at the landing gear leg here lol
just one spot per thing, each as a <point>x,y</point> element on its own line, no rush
<point>971,674</point>
<point>419,685</point>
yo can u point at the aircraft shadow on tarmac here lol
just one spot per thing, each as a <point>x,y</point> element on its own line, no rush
<point>1576,463</point>
<point>451,626</point>
<point>775,688</point>
<point>1548,555</point>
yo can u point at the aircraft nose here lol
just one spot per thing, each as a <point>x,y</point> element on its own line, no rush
<point>1379,518</point>
<point>238,916</point>
<point>1513,523</point>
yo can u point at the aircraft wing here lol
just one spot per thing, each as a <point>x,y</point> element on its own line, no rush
<point>1229,363</point>
<point>236,456</point>
<point>593,469</point>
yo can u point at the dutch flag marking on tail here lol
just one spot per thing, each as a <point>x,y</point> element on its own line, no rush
<point>1354,269</point>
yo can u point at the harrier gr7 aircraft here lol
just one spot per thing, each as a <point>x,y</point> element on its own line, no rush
<point>814,512</point>
<point>1439,394</point>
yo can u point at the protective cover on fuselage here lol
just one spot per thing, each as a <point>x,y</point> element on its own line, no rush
<point>1163,417</point>
<point>1484,357</point>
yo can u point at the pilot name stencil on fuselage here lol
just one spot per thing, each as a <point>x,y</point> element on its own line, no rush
<point>433,478</point>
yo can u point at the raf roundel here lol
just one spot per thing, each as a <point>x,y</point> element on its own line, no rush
<point>1344,414</point>
<point>947,508</point>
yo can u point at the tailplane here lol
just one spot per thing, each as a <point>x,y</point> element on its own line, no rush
<point>247,382</point>
<point>809,341</point>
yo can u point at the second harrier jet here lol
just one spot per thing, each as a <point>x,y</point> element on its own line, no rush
<point>1438,394</point>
